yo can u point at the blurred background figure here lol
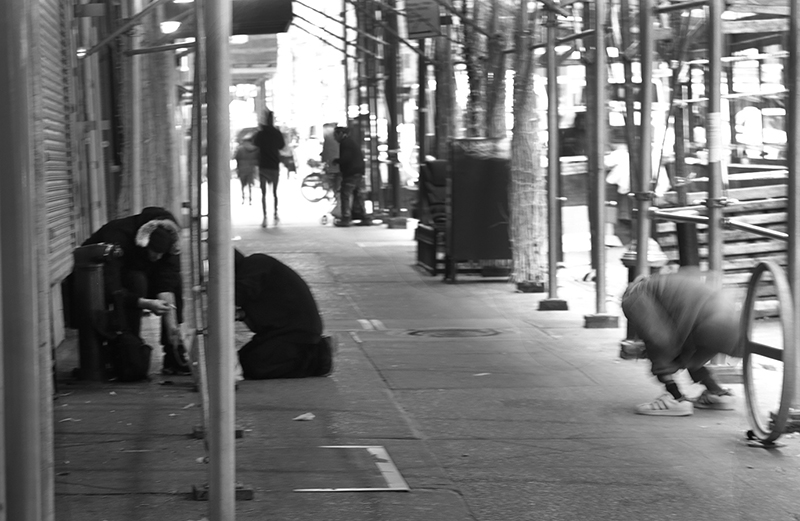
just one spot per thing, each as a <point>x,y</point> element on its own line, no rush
<point>270,142</point>
<point>246,157</point>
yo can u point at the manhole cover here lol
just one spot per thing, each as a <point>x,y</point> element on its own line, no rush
<point>453,332</point>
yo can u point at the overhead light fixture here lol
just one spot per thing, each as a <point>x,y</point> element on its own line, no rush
<point>170,26</point>
<point>182,1</point>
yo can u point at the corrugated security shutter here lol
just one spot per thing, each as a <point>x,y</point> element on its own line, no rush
<point>56,139</point>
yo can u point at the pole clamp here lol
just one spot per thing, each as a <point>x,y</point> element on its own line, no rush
<point>717,202</point>
<point>644,196</point>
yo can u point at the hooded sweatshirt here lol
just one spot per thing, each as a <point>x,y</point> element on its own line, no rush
<point>131,235</point>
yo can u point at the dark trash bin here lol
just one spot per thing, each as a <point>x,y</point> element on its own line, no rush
<point>90,309</point>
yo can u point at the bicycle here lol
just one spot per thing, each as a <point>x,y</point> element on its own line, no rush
<point>321,185</point>
<point>317,186</point>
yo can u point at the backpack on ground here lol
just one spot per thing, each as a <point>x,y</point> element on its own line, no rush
<point>129,357</point>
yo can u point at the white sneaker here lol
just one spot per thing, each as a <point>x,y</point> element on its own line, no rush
<point>666,405</point>
<point>719,402</point>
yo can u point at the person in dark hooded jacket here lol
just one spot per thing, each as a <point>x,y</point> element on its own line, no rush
<point>278,306</point>
<point>146,275</point>
<point>684,322</point>
<point>351,164</point>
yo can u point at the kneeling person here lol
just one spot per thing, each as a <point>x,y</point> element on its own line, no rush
<point>277,305</point>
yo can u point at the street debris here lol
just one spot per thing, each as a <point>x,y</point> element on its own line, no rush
<point>305,417</point>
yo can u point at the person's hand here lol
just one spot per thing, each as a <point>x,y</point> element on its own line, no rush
<point>159,307</point>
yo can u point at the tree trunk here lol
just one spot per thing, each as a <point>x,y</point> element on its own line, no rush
<point>444,117</point>
<point>496,72</point>
<point>475,115</point>
<point>527,196</point>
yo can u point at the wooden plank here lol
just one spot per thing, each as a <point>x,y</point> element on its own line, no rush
<point>778,7</point>
<point>771,25</point>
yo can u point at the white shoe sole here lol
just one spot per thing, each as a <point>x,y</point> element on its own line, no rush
<point>665,412</point>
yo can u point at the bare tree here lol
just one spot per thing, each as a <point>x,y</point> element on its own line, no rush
<point>527,193</point>
<point>444,118</point>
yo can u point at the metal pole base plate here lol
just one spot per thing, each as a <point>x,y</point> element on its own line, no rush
<point>243,492</point>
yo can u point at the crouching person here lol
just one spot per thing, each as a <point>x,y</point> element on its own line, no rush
<point>277,305</point>
<point>684,323</point>
<point>146,275</point>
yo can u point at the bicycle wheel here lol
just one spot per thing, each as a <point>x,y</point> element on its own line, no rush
<point>313,188</point>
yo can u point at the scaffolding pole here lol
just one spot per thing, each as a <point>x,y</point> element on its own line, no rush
<point>714,133</point>
<point>222,457</point>
<point>553,165</point>
<point>390,90</point>
<point>643,192</point>
<point>600,118</point>
<point>793,164</point>
<point>21,495</point>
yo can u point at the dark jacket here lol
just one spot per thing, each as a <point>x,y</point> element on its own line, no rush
<point>276,301</point>
<point>679,314</point>
<point>269,141</point>
<point>351,160</point>
<point>131,235</point>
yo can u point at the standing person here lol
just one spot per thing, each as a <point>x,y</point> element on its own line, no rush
<point>278,306</point>
<point>351,164</point>
<point>684,323</point>
<point>329,156</point>
<point>269,141</point>
<point>246,157</point>
<point>147,275</point>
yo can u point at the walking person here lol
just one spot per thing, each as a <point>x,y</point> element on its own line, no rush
<point>351,165</point>
<point>246,156</point>
<point>269,141</point>
<point>684,323</point>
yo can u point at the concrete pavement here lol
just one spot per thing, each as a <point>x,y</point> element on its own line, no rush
<point>488,409</point>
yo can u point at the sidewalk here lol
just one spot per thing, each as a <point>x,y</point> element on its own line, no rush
<point>488,409</point>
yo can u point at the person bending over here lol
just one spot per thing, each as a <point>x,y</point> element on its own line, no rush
<point>684,323</point>
<point>277,305</point>
<point>147,275</point>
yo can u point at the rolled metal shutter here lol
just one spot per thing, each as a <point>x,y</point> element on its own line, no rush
<point>56,139</point>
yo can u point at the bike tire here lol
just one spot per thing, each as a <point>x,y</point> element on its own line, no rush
<point>314,188</point>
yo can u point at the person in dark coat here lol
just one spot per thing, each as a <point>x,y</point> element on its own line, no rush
<point>684,322</point>
<point>351,165</point>
<point>278,306</point>
<point>146,274</point>
<point>270,142</point>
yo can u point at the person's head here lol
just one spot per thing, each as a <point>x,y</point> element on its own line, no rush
<point>339,133</point>
<point>161,241</point>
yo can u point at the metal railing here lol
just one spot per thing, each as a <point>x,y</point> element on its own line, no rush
<point>680,215</point>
